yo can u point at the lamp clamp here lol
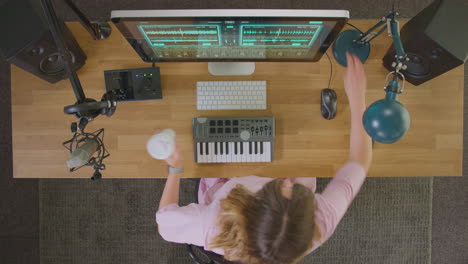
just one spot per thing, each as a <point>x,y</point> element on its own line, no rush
<point>394,85</point>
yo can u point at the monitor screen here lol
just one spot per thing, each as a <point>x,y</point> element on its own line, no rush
<point>230,35</point>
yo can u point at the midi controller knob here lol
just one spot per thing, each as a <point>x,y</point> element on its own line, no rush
<point>245,135</point>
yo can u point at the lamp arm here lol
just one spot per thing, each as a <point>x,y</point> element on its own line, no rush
<point>401,56</point>
<point>370,35</point>
<point>100,30</point>
<point>55,29</point>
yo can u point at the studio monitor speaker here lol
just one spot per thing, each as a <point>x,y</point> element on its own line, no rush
<point>25,40</point>
<point>435,40</point>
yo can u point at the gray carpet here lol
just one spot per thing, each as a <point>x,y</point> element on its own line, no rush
<point>388,222</point>
<point>109,221</point>
<point>112,221</point>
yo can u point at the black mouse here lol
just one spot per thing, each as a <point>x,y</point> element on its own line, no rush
<point>328,103</point>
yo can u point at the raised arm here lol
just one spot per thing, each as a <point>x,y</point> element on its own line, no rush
<point>343,188</point>
<point>171,189</point>
<point>355,84</point>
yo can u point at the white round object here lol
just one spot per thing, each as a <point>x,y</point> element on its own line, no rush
<point>245,135</point>
<point>161,145</point>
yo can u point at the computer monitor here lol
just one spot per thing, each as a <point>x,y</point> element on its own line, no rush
<point>230,40</point>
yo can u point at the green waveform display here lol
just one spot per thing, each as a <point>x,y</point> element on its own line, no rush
<point>179,32</point>
<point>288,35</point>
<point>181,35</point>
<point>291,32</point>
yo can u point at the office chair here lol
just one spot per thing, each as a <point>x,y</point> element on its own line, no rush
<point>198,254</point>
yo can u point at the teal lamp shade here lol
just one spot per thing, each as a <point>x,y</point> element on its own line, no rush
<point>346,42</point>
<point>386,120</point>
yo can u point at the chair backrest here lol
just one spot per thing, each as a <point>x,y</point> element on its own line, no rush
<point>201,256</point>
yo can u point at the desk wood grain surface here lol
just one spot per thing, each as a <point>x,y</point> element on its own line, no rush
<point>306,144</point>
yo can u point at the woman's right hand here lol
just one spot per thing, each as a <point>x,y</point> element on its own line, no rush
<point>355,82</point>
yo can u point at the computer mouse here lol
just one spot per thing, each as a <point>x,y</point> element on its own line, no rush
<point>328,103</point>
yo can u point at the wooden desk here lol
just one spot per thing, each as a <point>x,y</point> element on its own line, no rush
<point>306,144</point>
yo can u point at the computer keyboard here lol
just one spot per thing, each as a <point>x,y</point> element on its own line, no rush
<point>231,95</point>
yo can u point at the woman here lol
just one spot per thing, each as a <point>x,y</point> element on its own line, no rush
<point>262,220</point>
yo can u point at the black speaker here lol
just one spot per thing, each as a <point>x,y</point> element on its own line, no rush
<point>27,42</point>
<point>436,41</point>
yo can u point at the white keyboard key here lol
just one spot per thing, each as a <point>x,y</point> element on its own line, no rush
<point>223,152</point>
<point>245,152</point>
<point>229,152</point>
<point>198,153</point>
<point>267,151</point>
<point>218,152</point>
<point>263,156</point>
<point>211,155</point>
<point>235,95</point>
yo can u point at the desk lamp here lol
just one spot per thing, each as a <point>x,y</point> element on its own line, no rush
<point>386,120</point>
<point>87,149</point>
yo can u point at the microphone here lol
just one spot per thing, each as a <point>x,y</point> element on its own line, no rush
<point>86,149</point>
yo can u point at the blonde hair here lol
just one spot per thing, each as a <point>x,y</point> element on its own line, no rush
<point>266,227</point>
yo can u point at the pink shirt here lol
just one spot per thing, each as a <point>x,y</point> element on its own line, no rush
<point>196,223</point>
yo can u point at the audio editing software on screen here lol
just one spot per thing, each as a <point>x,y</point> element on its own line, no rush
<point>232,39</point>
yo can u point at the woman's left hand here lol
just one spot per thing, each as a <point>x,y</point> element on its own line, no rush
<point>176,160</point>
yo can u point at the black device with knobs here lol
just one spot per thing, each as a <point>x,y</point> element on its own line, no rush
<point>134,84</point>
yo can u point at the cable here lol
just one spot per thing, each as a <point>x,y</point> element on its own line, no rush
<point>331,70</point>
<point>354,27</point>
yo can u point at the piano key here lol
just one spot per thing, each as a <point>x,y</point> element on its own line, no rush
<point>201,147</point>
<point>229,146</point>
<point>268,151</point>
<point>262,154</point>
<point>223,154</point>
<point>206,152</point>
<point>211,156</point>
<point>220,155</point>
<point>241,148</point>
<point>234,151</point>
<point>221,148</point>
<point>245,155</point>
<point>216,152</point>
<point>197,151</point>
<point>203,155</point>
<point>256,147</point>
<point>250,148</point>
<point>236,156</point>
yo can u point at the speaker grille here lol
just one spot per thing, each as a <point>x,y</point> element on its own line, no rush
<point>418,66</point>
<point>54,64</point>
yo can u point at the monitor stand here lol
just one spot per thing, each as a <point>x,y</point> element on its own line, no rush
<point>231,68</point>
